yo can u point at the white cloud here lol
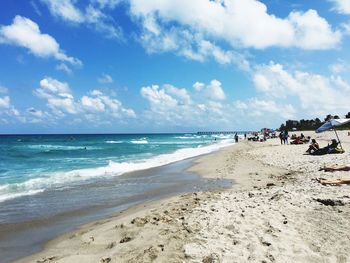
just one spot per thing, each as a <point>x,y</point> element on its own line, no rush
<point>94,106</point>
<point>312,31</point>
<point>8,109</point>
<point>198,86</point>
<point>315,94</point>
<point>35,7</point>
<point>255,112</point>
<point>105,79</point>
<point>25,33</point>
<point>184,42</point>
<point>39,116</point>
<point>65,9</point>
<point>63,67</point>
<point>3,89</point>
<point>92,16</point>
<point>58,96</point>
<point>54,86</point>
<point>230,21</point>
<point>36,113</point>
<point>170,106</point>
<point>5,102</point>
<point>96,93</point>
<point>180,94</point>
<point>339,67</point>
<point>346,28</point>
<point>215,90</point>
<point>341,6</point>
<point>212,91</point>
<point>107,3</point>
<point>158,98</point>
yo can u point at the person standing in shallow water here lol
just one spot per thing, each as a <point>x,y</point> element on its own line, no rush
<point>236,137</point>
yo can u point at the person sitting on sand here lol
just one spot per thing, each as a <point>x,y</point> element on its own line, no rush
<point>335,167</point>
<point>313,147</point>
<point>331,148</point>
<point>298,140</point>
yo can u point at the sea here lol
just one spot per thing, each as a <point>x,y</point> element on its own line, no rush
<point>51,184</point>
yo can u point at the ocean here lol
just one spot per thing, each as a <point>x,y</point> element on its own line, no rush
<point>50,184</point>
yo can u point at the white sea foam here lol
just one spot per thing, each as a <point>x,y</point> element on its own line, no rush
<point>114,142</point>
<point>8,196</point>
<point>178,142</point>
<point>49,147</point>
<point>63,179</point>
<point>139,141</point>
<point>185,137</point>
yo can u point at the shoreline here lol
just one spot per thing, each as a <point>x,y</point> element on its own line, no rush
<point>182,180</point>
<point>140,209</point>
<point>274,213</point>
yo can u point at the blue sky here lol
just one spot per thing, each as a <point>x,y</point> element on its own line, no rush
<point>95,66</point>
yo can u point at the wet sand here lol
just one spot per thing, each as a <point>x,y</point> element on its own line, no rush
<point>24,232</point>
<point>276,212</point>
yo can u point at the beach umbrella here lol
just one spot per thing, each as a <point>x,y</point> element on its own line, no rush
<point>331,124</point>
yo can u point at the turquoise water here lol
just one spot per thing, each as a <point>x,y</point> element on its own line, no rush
<point>32,164</point>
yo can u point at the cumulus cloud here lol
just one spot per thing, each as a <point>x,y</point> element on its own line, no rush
<point>230,21</point>
<point>198,86</point>
<point>315,94</point>
<point>25,33</point>
<point>6,108</point>
<point>341,6</point>
<point>173,106</point>
<point>94,106</point>
<point>105,79</point>
<point>92,15</point>
<point>215,90</point>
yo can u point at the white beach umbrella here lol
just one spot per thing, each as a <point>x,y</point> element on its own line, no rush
<point>331,124</point>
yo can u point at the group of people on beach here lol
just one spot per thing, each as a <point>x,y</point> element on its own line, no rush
<point>314,147</point>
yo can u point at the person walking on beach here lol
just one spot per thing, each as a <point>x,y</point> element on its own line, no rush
<point>236,137</point>
<point>285,137</point>
<point>281,137</point>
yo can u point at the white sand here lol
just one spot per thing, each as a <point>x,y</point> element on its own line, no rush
<point>270,215</point>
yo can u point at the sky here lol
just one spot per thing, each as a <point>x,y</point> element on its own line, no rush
<point>135,66</point>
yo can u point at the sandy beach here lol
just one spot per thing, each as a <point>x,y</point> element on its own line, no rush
<point>276,211</point>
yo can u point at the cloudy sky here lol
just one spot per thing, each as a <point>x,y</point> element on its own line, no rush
<point>70,66</point>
